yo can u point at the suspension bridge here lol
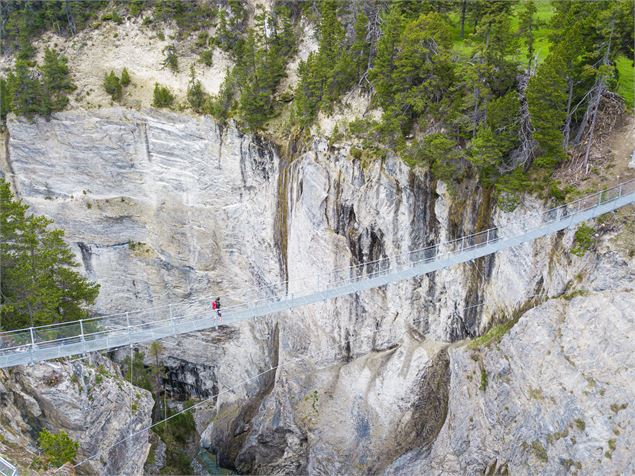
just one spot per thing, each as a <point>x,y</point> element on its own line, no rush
<point>53,341</point>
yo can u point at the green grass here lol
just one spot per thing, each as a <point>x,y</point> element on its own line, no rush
<point>542,17</point>
<point>626,80</point>
<point>544,12</point>
<point>494,335</point>
<point>464,47</point>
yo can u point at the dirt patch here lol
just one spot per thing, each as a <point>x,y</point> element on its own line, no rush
<point>609,158</point>
<point>96,51</point>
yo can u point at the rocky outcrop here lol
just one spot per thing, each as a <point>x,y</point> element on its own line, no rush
<point>162,207</point>
<point>554,396</point>
<point>92,403</point>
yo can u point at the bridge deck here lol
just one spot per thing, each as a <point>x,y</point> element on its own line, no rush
<point>65,339</point>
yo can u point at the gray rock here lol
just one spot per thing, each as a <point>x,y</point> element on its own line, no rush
<point>93,404</point>
<point>161,207</point>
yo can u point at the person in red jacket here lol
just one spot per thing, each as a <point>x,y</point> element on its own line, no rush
<point>216,307</point>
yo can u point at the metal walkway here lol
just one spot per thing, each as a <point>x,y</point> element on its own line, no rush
<point>6,468</point>
<point>60,340</point>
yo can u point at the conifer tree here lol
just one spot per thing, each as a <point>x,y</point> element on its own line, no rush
<point>547,100</point>
<point>162,96</point>
<point>5,100</point>
<point>56,79</point>
<point>195,94</point>
<point>38,285</point>
<point>360,49</point>
<point>112,85</point>
<point>527,27</point>
<point>387,49</point>
<point>25,91</point>
<point>125,77</point>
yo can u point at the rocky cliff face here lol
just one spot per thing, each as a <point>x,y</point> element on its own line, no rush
<point>92,403</point>
<point>160,207</point>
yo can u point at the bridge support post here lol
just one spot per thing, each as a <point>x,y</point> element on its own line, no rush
<point>128,325</point>
<point>32,344</point>
<point>81,335</point>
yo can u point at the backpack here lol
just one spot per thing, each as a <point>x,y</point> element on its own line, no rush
<point>214,305</point>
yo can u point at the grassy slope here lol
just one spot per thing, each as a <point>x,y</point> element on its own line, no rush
<point>626,80</point>
<point>464,47</point>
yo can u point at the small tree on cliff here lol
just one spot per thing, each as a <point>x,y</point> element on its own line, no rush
<point>37,283</point>
<point>59,448</point>
<point>162,96</point>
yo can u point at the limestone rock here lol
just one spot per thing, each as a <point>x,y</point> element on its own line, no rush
<point>93,404</point>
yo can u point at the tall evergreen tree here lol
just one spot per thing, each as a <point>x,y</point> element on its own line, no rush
<point>56,81</point>
<point>547,101</point>
<point>360,49</point>
<point>38,285</point>
<point>387,49</point>
<point>25,91</point>
<point>527,27</point>
<point>5,99</point>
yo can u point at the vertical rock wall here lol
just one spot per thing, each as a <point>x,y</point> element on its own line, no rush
<point>161,207</point>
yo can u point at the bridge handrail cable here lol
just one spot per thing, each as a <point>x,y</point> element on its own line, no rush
<point>296,287</point>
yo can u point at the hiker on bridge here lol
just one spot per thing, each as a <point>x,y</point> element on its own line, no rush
<point>216,307</point>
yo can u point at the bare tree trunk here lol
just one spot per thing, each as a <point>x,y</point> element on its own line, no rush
<point>463,11</point>
<point>69,17</point>
<point>600,90</point>
<point>567,124</point>
<point>590,139</point>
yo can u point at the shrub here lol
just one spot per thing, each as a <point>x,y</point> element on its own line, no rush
<point>112,85</point>
<point>162,96</point>
<point>206,57</point>
<point>125,77</point>
<point>483,385</point>
<point>171,60</point>
<point>196,95</point>
<point>59,448</point>
<point>112,16</point>
<point>583,240</point>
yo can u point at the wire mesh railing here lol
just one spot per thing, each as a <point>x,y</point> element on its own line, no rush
<point>125,328</point>
<point>6,468</point>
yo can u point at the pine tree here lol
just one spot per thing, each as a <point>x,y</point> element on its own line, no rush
<point>387,49</point>
<point>171,60</point>
<point>497,136</point>
<point>25,91</point>
<point>125,77</point>
<point>5,99</point>
<point>112,85</point>
<point>547,101</point>
<point>56,81</point>
<point>423,72</point>
<point>162,96</point>
<point>195,94</point>
<point>360,50</point>
<point>38,283</point>
<point>527,27</point>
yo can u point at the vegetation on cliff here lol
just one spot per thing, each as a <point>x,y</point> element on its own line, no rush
<point>497,89</point>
